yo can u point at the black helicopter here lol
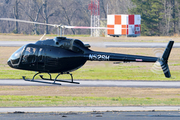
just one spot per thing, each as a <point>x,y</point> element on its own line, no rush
<point>63,55</point>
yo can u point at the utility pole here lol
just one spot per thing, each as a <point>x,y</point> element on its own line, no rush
<point>45,15</point>
<point>95,17</point>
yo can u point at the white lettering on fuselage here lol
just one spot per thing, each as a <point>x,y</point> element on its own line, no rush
<point>99,57</point>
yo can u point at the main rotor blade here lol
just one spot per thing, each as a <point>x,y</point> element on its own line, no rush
<point>85,27</point>
<point>24,21</point>
<point>54,25</point>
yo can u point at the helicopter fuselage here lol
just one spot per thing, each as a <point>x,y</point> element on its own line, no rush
<point>61,55</point>
<point>48,59</point>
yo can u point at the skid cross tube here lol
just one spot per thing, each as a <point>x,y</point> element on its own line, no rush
<point>65,80</point>
<point>46,78</point>
<point>24,77</point>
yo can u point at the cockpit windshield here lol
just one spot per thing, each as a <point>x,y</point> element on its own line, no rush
<point>15,57</point>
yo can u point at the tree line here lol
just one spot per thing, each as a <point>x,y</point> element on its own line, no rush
<point>159,17</point>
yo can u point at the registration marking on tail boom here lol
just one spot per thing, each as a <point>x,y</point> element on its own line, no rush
<point>99,57</point>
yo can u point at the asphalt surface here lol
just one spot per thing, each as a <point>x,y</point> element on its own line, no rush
<point>90,109</point>
<point>93,115</point>
<point>99,44</point>
<point>95,83</point>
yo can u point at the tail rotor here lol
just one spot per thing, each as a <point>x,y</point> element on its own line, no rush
<point>162,62</point>
<point>158,52</point>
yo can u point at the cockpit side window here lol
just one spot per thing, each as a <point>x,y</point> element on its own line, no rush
<point>29,55</point>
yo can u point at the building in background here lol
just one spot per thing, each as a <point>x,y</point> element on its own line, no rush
<point>127,25</point>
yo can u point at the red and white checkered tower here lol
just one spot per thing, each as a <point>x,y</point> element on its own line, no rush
<point>95,17</point>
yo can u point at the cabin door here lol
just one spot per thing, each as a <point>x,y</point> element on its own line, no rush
<point>41,60</point>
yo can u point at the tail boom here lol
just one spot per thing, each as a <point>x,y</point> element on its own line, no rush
<point>103,56</point>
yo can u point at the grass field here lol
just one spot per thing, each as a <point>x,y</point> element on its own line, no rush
<point>18,96</point>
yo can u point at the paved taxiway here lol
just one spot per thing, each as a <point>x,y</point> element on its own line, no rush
<point>90,109</point>
<point>99,44</point>
<point>174,115</point>
<point>96,83</point>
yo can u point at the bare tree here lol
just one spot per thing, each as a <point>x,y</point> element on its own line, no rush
<point>16,14</point>
<point>32,10</point>
<point>69,11</point>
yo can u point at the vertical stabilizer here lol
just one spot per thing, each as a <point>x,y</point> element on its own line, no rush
<point>164,60</point>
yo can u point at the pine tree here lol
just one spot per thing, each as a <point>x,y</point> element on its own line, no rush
<point>174,14</point>
<point>151,12</point>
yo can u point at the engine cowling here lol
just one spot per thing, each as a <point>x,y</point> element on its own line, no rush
<point>66,43</point>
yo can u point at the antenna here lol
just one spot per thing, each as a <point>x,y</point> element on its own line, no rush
<point>42,36</point>
<point>95,17</point>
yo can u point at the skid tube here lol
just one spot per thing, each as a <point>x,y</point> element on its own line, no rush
<point>50,79</point>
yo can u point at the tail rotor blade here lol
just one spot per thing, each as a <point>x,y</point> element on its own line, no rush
<point>158,52</point>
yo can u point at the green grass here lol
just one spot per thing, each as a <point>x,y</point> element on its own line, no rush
<point>122,73</point>
<point>30,101</point>
<point>107,72</point>
<point>176,64</point>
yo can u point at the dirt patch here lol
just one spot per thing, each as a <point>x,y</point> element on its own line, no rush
<point>90,91</point>
<point>5,53</point>
<point>21,37</point>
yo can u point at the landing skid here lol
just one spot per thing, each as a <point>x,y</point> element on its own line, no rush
<point>50,79</point>
<point>41,81</point>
